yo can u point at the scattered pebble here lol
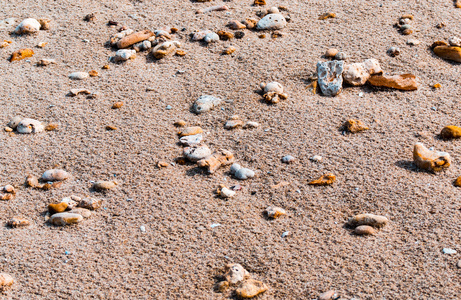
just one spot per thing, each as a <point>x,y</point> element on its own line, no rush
<point>229,50</point>
<point>393,51</point>
<point>21,54</point>
<point>274,212</point>
<point>330,53</point>
<point>104,185</point>
<point>451,132</point>
<point>327,15</point>
<point>54,208</point>
<point>85,213</point>
<point>341,56</point>
<point>250,288</point>
<point>79,75</point>
<point>90,203</point>
<point>205,103</point>
<point>55,175</point>
<point>251,124</point>
<point>454,41</point>
<point>217,160</point>
<point>180,123</point>
<point>288,159</point>
<point>241,173</point>
<point>225,192</point>
<point>354,126</point>
<point>236,25</point>
<point>29,126</point>
<point>134,38</point>
<point>45,62</point>
<point>190,131</point>
<point>123,55</point>
<point>329,295</point>
<point>232,124</point>
<point>449,251</point>
<point>191,140</point>
<point>330,77</point>
<point>316,158</point>
<point>16,222</point>
<point>357,74</point>
<point>368,219</point>
<point>273,92</point>
<point>117,105</point>
<point>364,230</point>
<point>430,160</point>
<point>271,22</point>
<point>65,218</point>
<point>324,180</point>
<point>413,42</point>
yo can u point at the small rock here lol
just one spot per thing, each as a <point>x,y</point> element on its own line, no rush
<point>31,181</point>
<point>448,52</point>
<point>93,73</point>
<point>14,122</point>
<point>85,213</point>
<point>8,129</point>
<point>16,222</point>
<point>75,92</point>
<point>165,49</point>
<point>271,22</point>
<point>451,132</point>
<point>393,51</point>
<point>65,218</point>
<point>250,288</point>
<point>79,75</point>
<point>244,173</point>
<point>46,62</point>
<point>273,92</point>
<point>55,175</point>
<point>331,52</point>
<point>327,15</point>
<point>69,202</point>
<point>288,159</point>
<point>364,230</point>
<point>117,105</point>
<point>449,251</point>
<point>28,26</point>
<point>191,140</point>
<point>205,103</point>
<point>190,131</point>
<point>104,185</point>
<point>454,41</point>
<point>225,36</point>
<point>413,42</point>
<point>21,54</point>
<point>211,37</point>
<point>90,203</point>
<point>406,82</point>
<point>426,159</point>
<point>250,23</point>
<point>341,56</point>
<point>326,179</point>
<point>330,295</point>
<point>196,153</point>
<point>357,74</point>
<point>229,50</point>
<point>235,25</point>
<point>55,208</point>
<point>239,34</point>
<point>330,77</point>
<point>44,23</point>
<point>232,124</point>
<point>259,2</point>
<point>134,38</point>
<point>124,55</point>
<point>316,158</point>
<point>368,219</point>
<point>224,192</point>
<point>111,127</point>
<point>274,212</point>
<point>354,126</point>
<point>235,273</point>
<point>217,160</point>
<point>30,126</point>
<point>251,124</point>
<point>180,123</point>
<point>6,281</point>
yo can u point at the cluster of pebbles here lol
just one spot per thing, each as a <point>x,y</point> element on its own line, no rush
<point>331,76</point>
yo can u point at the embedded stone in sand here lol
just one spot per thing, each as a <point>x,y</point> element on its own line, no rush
<point>191,140</point>
<point>21,54</point>
<point>28,26</point>
<point>217,160</point>
<point>241,173</point>
<point>448,52</point>
<point>326,179</point>
<point>55,175</point>
<point>104,185</point>
<point>55,208</point>
<point>271,22</point>
<point>273,92</point>
<point>225,192</point>
<point>6,281</point>
<point>124,55</point>
<point>235,273</point>
<point>354,126</point>
<point>16,222</point>
<point>30,126</point>
<point>364,230</point>
<point>330,77</point>
<point>197,153</point>
<point>250,288</point>
<point>368,219</point>
<point>426,159</point>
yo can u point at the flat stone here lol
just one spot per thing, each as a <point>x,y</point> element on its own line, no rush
<point>197,153</point>
<point>30,126</point>
<point>429,160</point>
<point>191,140</point>
<point>368,219</point>
<point>55,175</point>
<point>65,218</point>
<point>79,75</point>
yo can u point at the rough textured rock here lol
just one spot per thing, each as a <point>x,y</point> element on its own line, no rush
<point>250,288</point>
<point>30,126</point>
<point>426,159</point>
<point>197,153</point>
<point>354,126</point>
<point>205,103</point>
<point>217,160</point>
<point>65,218</point>
<point>6,281</point>
<point>55,175</point>
<point>90,203</point>
<point>165,49</point>
<point>274,212</point>
<point>190,131</point>
<point>104,185</point>
<point>191,140</point>
<point>368,219</point>
<point>18,222</point>
<point>273,92</point>
<point>21,54</point>
<point>271,22</point>
<point>358,73</point>
<point>454,41</point>
<point>235,273</point>
<point>448,52</point>
<point>28,26</point>
<point>406,82</point>
<point>232,124</point>
<point>330,77</point>
<point>451,132</point>
<point>124,55</point>
<point>326,179</point>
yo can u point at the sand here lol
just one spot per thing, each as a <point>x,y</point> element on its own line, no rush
<point>179,256</point>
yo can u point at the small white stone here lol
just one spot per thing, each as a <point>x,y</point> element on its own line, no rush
<point>454,41</point>
<point>191,140</point>
<point>197,153</point>
<point>234,168</point>
<point>27,26</point>
<point>123,55</point>
<point>288,159</point>
<point>316,158</point>
<point>271,22</point>
<point>244,173</point>
<point>205,103</point>
<point>449,251</point>
<point>142,228</point>
<point>30,126</point>
<point>211,37</point>
<point>274,87</point>
<point>78,75</point>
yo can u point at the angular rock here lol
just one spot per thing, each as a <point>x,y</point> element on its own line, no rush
<point>30,126</point>
<point>451,132</point>
<point>271,22</point>
<point>205,103</point>
<point>368,219</point>
<point>217,160</point>
<point>273,91</point>
<point>65,218</point>
<point>274,212</point>
<point>55,175</point>
<point>197,153</point>
<point>191,140</point>
<point>236,25</point>
<point>358,73</point>
<point>326,179</point>
<point>250,288</point>
<point>354,126</point>
<point>448,52</point>
<point>165,49</point>
<point>21,54</point>
<point>426,159</point>
<point>124,55</point>
<point>235,273</point>
<point>28,26</point>
<point>330,77</point>
<point>55,208</point>
<point>406,82</point>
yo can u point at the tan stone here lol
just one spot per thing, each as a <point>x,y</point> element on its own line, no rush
<point>354,126</point>
<point>6,281</point>
<point>364,230</point>
<point>457,182</point>
<point>235,273</point>
<point>217,160</point>
<point>90,203</point>
<point>327,16</point>
<point>426,159</point>
<point>448,52</point>
<point>117,105</point>
<point>406,82</point>
<point>368,219</point>
<point>134,38</point>
<point>104,185</point>
<point>65,218</point>
<point>190,131</point>
<point>331,52</point>
<point>18,222</point>
<point>250,288</point>
<point>274,212</point>
<point>235,25</point>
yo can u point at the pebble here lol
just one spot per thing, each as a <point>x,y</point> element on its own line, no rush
<point>212,8</point>
<point>244,173</point>
<point>288,159</point>
<point>217,160</point>
<point>142,228</point>
<point>454,41</point>
<point>104,185</point>
<point>329,295</point>
<point>273,92</point>
<point>21,54</point>
<point>250,23</point>
<point>211,37</point>
<point>229,50</point>
<point>190,131</point>
<point>449,251</point>
<point>259,2</point>
<point>225,36</point>
<point>331,52</point>
<point>225,192</point>
<point>169,107</point>
<point>191,140</point>
<point>327,16</point>
<point>326,179</point>
<point>134,38</point>
<point>271,22</point>
<point>85,213</point>
<point>117,105</point>
<point>316,158</point>
<point>232,124</point>
<point>274,212</point>
<point>405,82</point>
<point>235,273</point>
<point>205,103</point>
<point>79,75</point>
<point>250,288</point>
<point>45,62</point>
<point>196,153</point>
<point>364,230</point>
<point>448,52</point>
<point>393,51</point>
<point>239,34</point>
<point>8,189</point>
<point>165,49</point>
<point>70,202</point>
<point>75,92</point>
<point>28,26</point>
<point>357,74</point>
<point>124,55</point>
<point>14,122</point>
<point>16,222</point>
<point>90,203</point>
<point>451,132</point>
<point>6,281</point>
<point>55,175</point>
<point>341,56</point>
<point>413,42</point>
<point>251,124</point>
<point>368,219</point>
<point>235,25</point>
<point>54,208</point>
<point>30,126</point>
<point>180,123</point>
<point>330,77</point>
<point>285,234</point>
<point>430,160</point>
<point>354,126</point>
<point>65,218</point>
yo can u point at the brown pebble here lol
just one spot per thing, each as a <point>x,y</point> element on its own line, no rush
<point>440,25</point>
<point>327,16</point>
<point>190,131</point>
<point>174,30</point>
<point>235,25</point>
<point>259,2</point>
<point>354,126</point>
<point>457,182</point>
<point>104,185</point>
<point>90,17</point>
<point>329,295</point>
<point>6,197</point>
<point>224,35</point>
<point>18,222</point>
<point>407,31</point>
<point>407,16</point>
<point>437,86</point>
<point>368,219</point>
<point>31,181</point>
<point>9,189</point>
<point>262,36</point>
<point>331,52</point>
<point>93,73</point>
<point>364,230</point>
<point>117,105</point>
<point>110,127</point>
<point>458,3</point>
<point>180,52</point>
<point>451,132</point>
<point>162,164</point>
<point>229,50</point>
<point>326,179</point>
<point>55,208</point>
<point>6,281</point>
<point>51,127</point>
<point>180,123</point>
<point>105,67</point>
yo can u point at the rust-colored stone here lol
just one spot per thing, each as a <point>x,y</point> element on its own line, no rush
<point>426,159</point>
<point>55,208</point>
<point>354,126</point>
<point>217,160</point>
<point>406,82</point>
<point>451,132</point>
<point>448,52</point>
<point>21,54</point>
<point>326,179</point>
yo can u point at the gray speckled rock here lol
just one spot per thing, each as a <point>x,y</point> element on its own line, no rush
<point>205,103</point>
<point>271,22</point>
<point>244,173</point>
<point>211,37</point>
<point>234,168</point>
<point>330,77</point>
<point>30,126</point>
<point>191,140</point>
<point>197,153</point>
